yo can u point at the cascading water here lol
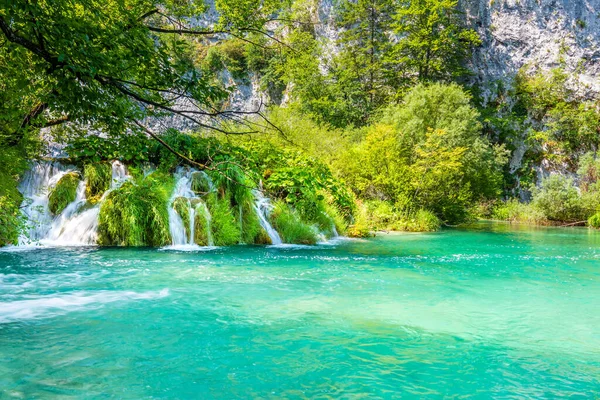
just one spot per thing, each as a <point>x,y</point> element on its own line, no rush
<point>75,225</point>
<point>263,207</point>
<point>35,187</point>
<point>183,193</point>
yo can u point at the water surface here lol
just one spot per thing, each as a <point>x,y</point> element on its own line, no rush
<point>489,311</point>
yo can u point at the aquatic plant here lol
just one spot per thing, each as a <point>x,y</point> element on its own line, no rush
<point>63,193</point>
<point>136,213</point>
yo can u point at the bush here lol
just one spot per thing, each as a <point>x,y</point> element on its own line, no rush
<point>181,205</point>
<point>594,221</point>
<point>11,221</point>
<point>63,193</point>
<point>288,224</point>
<point>421,221</point>
<point>515,211</point>
<point>136,213</point>
<point>558,199</point>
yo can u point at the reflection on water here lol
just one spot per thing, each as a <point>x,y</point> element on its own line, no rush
<point>491,310</point>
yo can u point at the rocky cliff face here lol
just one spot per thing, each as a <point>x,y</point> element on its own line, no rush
<point>536,33</point>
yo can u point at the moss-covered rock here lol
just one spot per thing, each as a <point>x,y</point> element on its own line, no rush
<point>63,193</point>
<point>181,205</point>
<point>136,214</point>
<point>290,226</point>
<point>98,178</point>
<point>201,184</point>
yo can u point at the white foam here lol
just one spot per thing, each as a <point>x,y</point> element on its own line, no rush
<point>52,305</point>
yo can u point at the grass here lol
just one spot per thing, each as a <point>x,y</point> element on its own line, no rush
<point>98,178</point>
<point>225,227</point>
<point>290,227</point>
<point>63,193</point>
<point>136,213</point>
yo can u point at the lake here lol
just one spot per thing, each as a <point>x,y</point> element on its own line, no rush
<point>491,310</point>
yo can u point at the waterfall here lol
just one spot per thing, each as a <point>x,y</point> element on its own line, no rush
<point>182,235</point>
<point>35,187</point>
<point>77,224</point>
<point>262,205</point>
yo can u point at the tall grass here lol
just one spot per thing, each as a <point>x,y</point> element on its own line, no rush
<point>290,226</point>
<point>136,213</point>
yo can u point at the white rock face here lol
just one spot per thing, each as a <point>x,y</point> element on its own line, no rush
<point>536,33</point>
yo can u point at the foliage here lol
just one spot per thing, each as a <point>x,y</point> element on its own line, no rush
<point>515,211</point>
<point>201,227</point>
<point>426,153</point>
<point>10,221</point>
<point>433,44</point>
<point>594,221</point>
<point>290,226</point>
<point>225,228</point>
<point>136,213</point>
<point>98,179</point>
<point>558,199</point>
<point>63,193</point>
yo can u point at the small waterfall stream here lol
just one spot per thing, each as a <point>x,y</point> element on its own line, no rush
<point>182,235</point>
<point>76,224</point>
<point>263,207</point>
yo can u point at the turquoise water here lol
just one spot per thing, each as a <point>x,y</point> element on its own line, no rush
<point>492,311</point>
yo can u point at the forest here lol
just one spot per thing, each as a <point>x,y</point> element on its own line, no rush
<point>382,128</point>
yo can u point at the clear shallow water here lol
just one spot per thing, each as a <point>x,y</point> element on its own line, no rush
<point>493,311</point>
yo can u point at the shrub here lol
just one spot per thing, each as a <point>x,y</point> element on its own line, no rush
<point>11,221</point>
<point>594,221</point>
<point>63,193</point>
<point>558,199</point>
<point>98,177</point>
<point>136,213</point>
<point>515,211</point>
<point>288,224</point>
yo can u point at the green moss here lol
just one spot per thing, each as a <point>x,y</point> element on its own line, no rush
<point>98,178</point>
<point>225,227</point>
<point>200,183</point>
<point>63,193</point>
<point>181,205</point>
<point>290,227</point>
<point>136,213</point>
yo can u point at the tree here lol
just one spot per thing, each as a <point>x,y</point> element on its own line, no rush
<point>432,42</point>
<point>111,64</point>
<point>365,40</point>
